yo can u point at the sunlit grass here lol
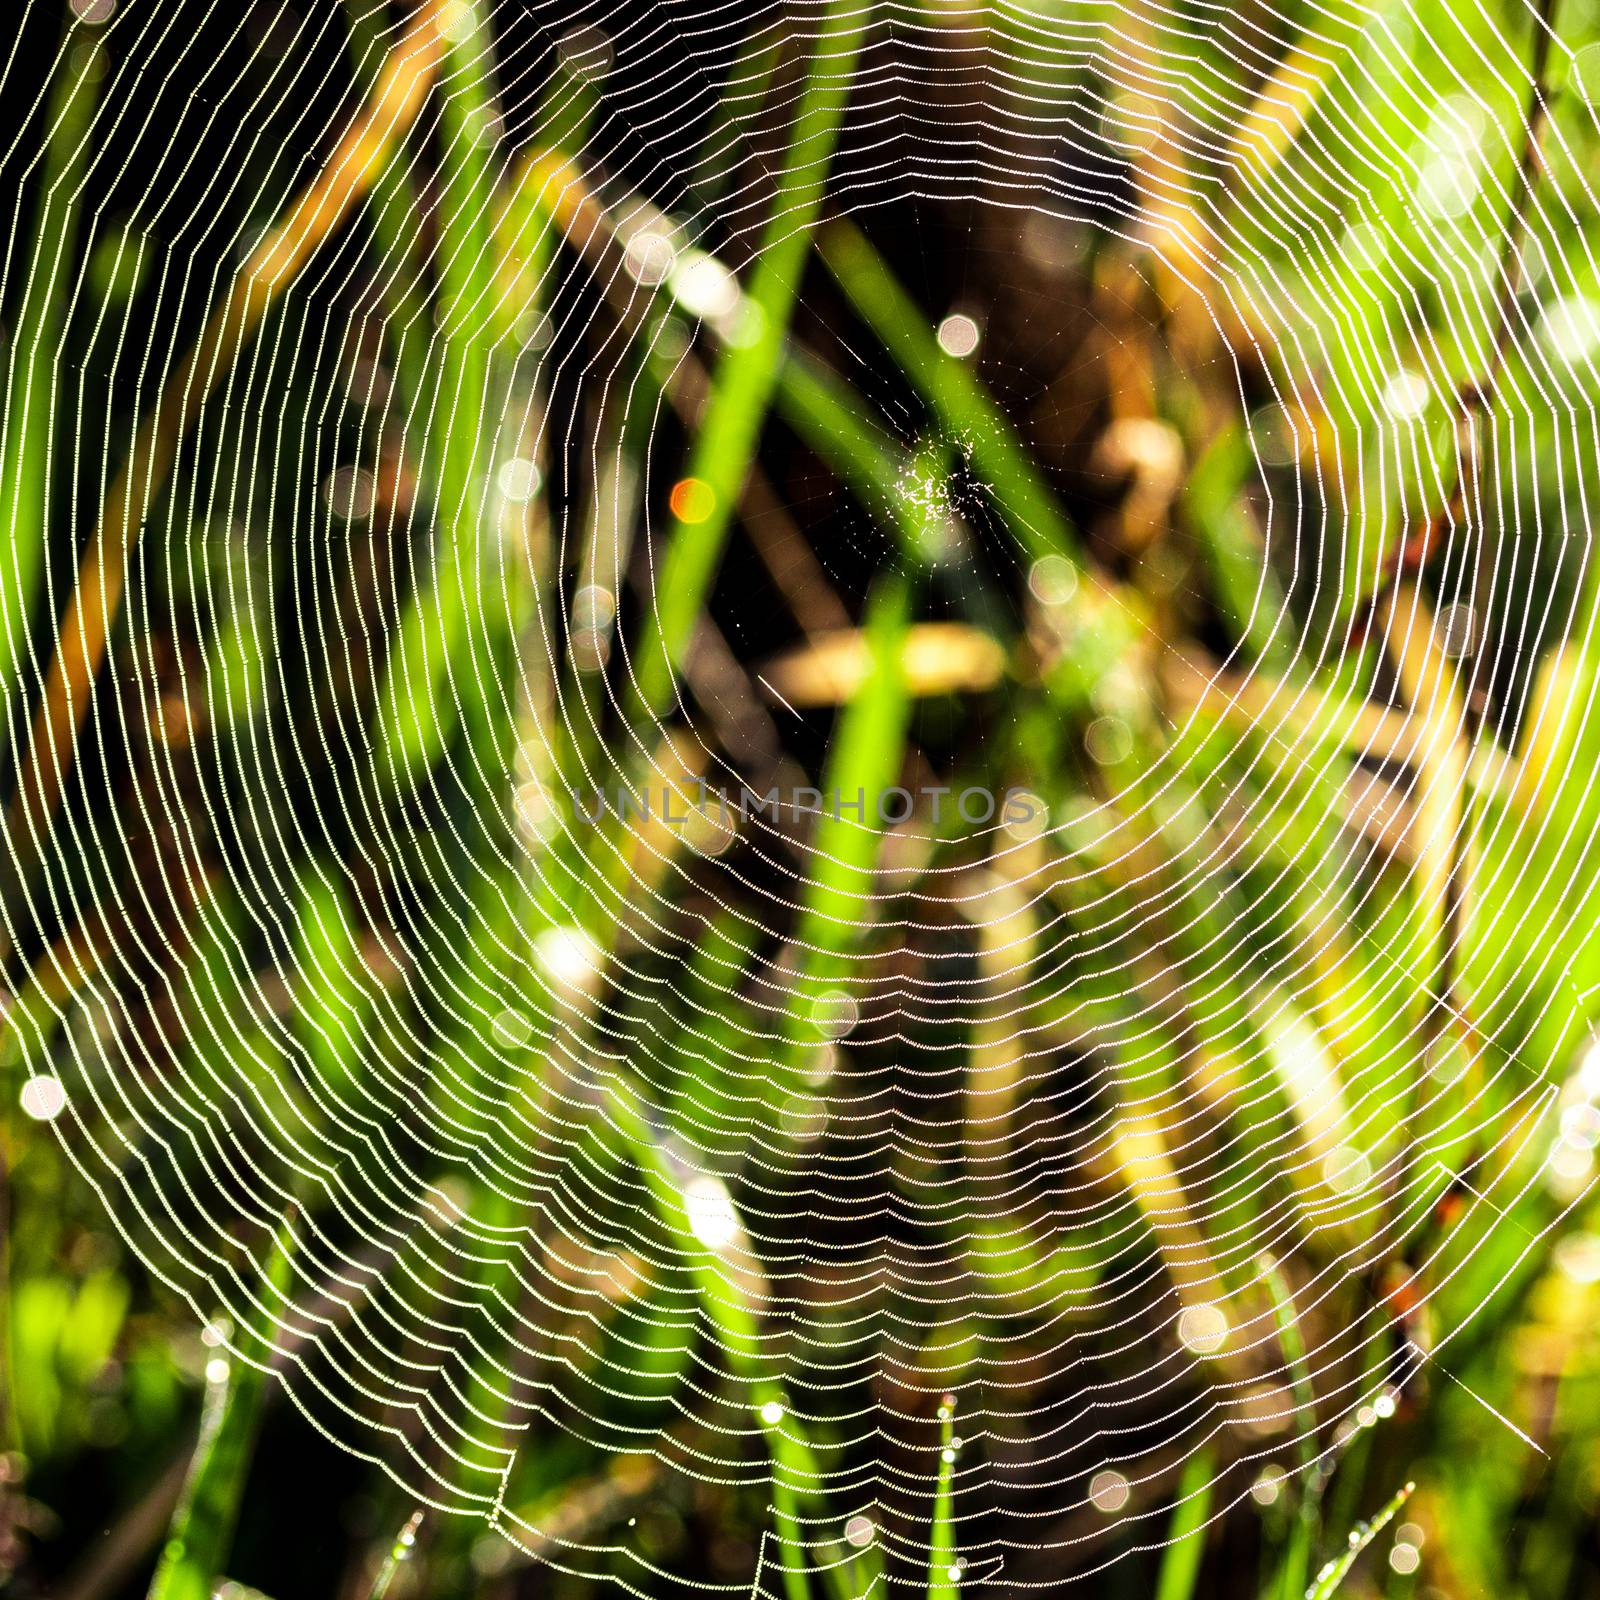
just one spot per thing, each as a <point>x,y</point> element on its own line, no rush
<point>1286,1078</point>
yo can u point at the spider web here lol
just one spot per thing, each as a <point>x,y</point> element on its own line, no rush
<point>423,970</point>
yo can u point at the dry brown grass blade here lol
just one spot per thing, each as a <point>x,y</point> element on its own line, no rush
<point>1147,456</point>
<point>936,658</point>
<point>312,216</point>
<point>1257,701</point>
<point>1261,703</point>
<point>1282,106</point>
<point>1477,395</point>
<point>1550,728</point>
<point>1188,249</point>
<point>1265,135</point>
<point>1138,1158</point>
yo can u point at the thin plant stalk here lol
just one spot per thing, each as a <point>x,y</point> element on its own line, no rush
<point>1293,1573</point>
<point>1334,1573</point>
<point>198,1543</point>
<point>399,1553</point>
<point>1186,1534</point>
<point>943,1574</point>
<point>434,658</point>
<point>746,375</point>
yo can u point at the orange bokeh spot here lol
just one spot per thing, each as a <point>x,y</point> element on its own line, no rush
<point>692,500</point>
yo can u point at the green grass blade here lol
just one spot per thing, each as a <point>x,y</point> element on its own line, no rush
<point>25,432</point>
<point>202,1528</point>
<point>746,374</point>
<point>1294,1352</point>
<point>864,761</point>
<point>744,93</point>
<point>399,1553</point>
<point>797,1479</point>
<point>952,391</point>
<point>1334,1573</point>
<point>827,415</point>
<point>258,283</point>
<point>238,666</point>
<point>1186,1542</point>
<point>526,228</point>
<point>943,1577</point>
<point>1244,583</point>
<point>1296,1564</point>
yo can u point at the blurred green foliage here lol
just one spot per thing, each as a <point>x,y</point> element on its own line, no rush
<point>1343,962</point>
